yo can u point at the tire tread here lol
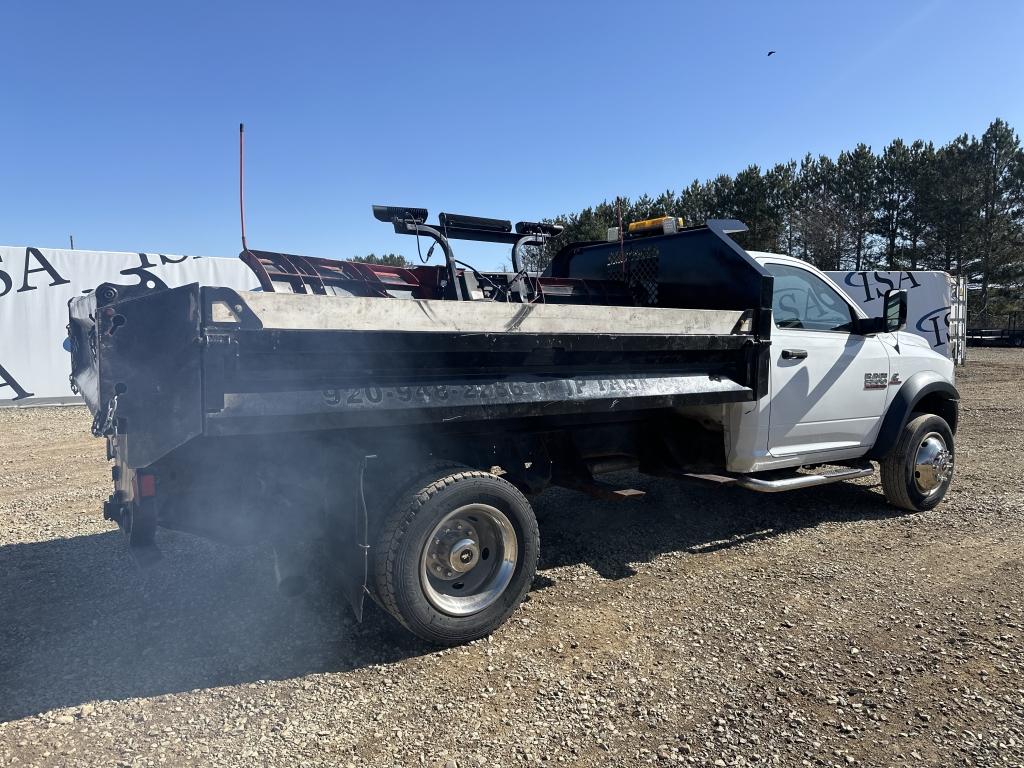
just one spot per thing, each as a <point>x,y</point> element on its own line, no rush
<point>397,524</point>
<point>893,467</point>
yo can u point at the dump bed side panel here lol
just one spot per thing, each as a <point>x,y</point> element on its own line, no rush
<point>168,365</point>
<point>390,363</point>
<point>455,401</point>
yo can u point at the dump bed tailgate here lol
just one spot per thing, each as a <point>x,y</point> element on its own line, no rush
<point>137,359</point>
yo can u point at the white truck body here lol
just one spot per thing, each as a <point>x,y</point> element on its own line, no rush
<point>829,405</point>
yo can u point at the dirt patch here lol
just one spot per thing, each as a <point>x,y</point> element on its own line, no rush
<point>709,627</point>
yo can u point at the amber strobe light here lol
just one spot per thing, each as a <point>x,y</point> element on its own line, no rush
<point>663,225</point>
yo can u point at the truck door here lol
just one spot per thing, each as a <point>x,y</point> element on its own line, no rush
<point>828,384</point>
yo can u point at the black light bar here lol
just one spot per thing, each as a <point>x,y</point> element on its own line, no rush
<point>455,226</point>
<point>458,221</point>
<point>388,213</point>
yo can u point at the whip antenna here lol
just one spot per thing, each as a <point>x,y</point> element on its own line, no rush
<point>241,181</point>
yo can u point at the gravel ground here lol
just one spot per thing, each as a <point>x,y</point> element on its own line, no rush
<point>698,626</point>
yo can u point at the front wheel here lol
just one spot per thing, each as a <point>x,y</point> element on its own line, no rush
<point>456,555</point>
<point>918,471</point>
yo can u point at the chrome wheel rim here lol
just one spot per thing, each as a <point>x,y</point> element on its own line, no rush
<point>933,464</point>
<point>468,560</point>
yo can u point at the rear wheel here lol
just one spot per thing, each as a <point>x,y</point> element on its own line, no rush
<point>918,471</point>
<point>456,555</point>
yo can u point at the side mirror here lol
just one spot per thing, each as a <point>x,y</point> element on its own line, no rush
<point>894,311</point>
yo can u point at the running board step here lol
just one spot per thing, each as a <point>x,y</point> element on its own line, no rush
<point>792,482</point>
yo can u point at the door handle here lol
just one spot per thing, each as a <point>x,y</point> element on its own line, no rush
<point>794,354</point>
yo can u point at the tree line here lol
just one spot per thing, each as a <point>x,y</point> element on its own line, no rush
<point>958,208</point>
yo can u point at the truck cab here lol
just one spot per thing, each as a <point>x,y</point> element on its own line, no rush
<point>834,376</point>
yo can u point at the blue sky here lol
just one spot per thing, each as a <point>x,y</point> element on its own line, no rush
<point>120,119</point>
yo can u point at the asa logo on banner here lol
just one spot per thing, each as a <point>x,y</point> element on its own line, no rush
<point>36,284</point>
<point>929,299</point>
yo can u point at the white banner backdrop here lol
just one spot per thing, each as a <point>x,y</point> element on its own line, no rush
<point>35,285</point>
<point>930,300</point>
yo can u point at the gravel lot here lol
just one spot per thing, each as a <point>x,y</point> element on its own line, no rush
<point>700,626</point>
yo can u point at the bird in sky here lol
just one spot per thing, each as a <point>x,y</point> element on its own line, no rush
<point>770,52</point>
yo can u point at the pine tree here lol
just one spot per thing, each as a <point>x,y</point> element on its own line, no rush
<point>781,193</point>
<point>920,220</point>
<point>955,204</point>
<point>857,184</point>
<point>895,194</point>
<point>750,204</point>
<point>999,229</point>
<point>696,203</point>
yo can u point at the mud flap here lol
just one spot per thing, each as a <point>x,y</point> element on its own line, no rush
<point>350,542</point>
<point>354,573</point>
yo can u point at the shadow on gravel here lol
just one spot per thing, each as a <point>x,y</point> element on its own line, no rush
<point>685,517</point>
<point>78,621</point>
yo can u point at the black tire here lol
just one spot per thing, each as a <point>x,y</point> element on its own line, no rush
<point>903,485</point>
<point>385,489</point>
<point>400,578</point>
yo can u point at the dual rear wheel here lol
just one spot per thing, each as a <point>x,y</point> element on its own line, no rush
<point>456,555</point>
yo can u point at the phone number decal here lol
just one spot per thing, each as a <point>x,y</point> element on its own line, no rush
<point>501,391</point>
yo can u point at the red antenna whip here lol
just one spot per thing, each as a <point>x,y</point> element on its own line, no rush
<point>241,181</point>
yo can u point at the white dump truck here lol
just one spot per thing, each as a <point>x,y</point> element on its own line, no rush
<point>392,424</point>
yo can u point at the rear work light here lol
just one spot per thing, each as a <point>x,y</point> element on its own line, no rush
<point>663,225</point>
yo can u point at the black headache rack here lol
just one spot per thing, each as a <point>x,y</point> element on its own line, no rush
<point>161,367</point>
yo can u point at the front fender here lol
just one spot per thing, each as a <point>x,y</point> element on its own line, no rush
<point>924,387</point>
